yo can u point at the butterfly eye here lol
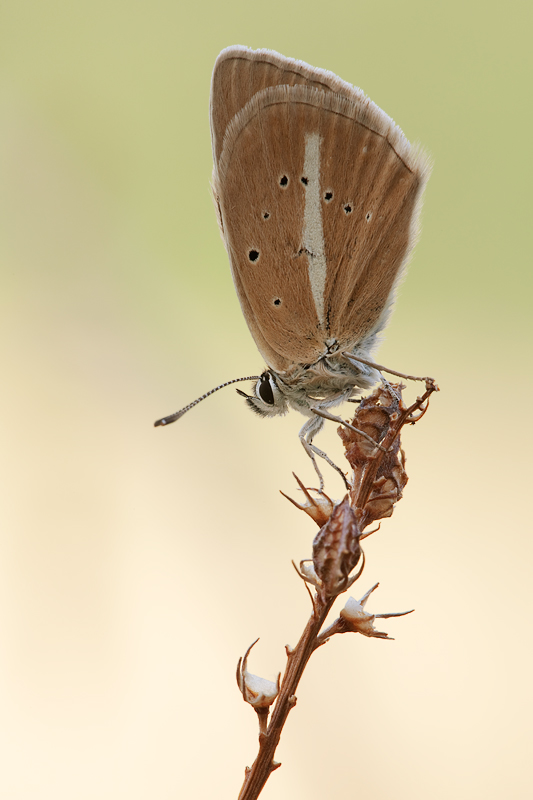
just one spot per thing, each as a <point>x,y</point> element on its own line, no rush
<point>264,389</point>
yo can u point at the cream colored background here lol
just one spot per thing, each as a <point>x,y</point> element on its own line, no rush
<point>136,565</point>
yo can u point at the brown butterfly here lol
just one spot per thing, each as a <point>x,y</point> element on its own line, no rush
<point>318,195</point>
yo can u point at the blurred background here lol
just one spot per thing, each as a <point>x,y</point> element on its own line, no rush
<point>137,565</point>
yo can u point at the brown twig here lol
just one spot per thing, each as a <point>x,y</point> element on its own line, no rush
<point>264,764</point>
<point>373,450</point>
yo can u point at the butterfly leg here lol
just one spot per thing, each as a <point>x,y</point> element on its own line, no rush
<point>355,359</point>
<point>326,415</point>
<point>307,433</point>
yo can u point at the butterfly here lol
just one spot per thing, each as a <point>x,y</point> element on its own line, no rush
<point>318,196</point>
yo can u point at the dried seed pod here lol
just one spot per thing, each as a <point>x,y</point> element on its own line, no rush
<point>373,416</point>
<point>354,618</point>
<point>318,505</point>
<point>336,549</point>
<point>258,692</point>
<point>387,488</point>
<point>379,473</point>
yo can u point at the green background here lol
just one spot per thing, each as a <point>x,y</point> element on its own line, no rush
<point>137,565</point>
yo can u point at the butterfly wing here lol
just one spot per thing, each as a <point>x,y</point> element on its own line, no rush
<point>318,195</point>
<point>239,73</point>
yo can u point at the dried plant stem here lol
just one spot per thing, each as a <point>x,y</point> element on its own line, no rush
<point>378,479</point>
<point>297,659</point>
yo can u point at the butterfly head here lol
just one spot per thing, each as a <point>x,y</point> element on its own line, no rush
<point>267,400</point>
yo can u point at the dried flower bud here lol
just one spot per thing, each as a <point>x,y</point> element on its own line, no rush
<point>307,572</point>
<point>373,416</point>
<point>336,549</point>
<point>318,505</point>
<point>388,487</point>
<point>258,692</point>
<point>355,618</point>
<point>379,473</point>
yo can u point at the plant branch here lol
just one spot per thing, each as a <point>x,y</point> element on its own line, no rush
<point>373,450</point>
<point>297,659</point>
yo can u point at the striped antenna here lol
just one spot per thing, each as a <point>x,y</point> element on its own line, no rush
<point>178,414</point>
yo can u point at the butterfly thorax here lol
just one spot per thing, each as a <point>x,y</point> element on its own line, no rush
<point>328,382</point>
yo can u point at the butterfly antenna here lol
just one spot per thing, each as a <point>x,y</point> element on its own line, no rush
<point>178,414</point>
